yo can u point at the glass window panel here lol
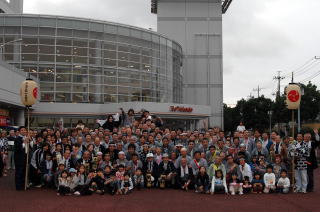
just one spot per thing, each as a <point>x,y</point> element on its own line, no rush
<point>29,48</point>
<point>123,73</point>
<point>80,88</point>
<point>111,46</point>
<point>13,21</point>
<point>63,69</point>
<point>46,77</point>
<point>80,70</point>
<point>29,57</point>
<point>30,30</point>
<point>79,97</point>
<point>110,54</point>
<point>47,31</point>
<point>135,58</point>
<point>12,30</point>
<point>146,60</point>
<point>28,21</point>
<point>80,78</point>
<point>64,42</point>
<point>47,22</point>
<point>110,80</point>
<point>46,86</point>
<point>80,43</point>
<point>46,69</point>
<point>95,61</point>
<point>63,97</point>
<point>123,55</point>
<point>123,64</point>
<point>123,48</point>
<point>80,34</point>
<point>80,51</point>
<point>96,89</point>
<point>135,50</point>
<point>110,89</point>
<point>95,98</point>
<point>47,58</point>
<point>95,44</point>
<point>95,80</point>
<point>110,62</point>
<point>47,41</point>
<point>95,71</point>
<point>146,84</point>
<point>8,57</point>
<point>63,58</point>
<point>63,87</point>
<point>64,23</point>
<point>46,49</point>
<point>96,35</point>
<point>63,77</point>
<point>64,32</point>
<point>134,65</point>
<point>96,27</point>
<point>110,29</point>
<point>95,52</point>
<point>46,97</point>
<point>146,36</point>
<point>124,90</point>
<point>110,98</point>
<point>83,60</point>
<point>123,31</point>
<point>30,41</point>
<point>63,50</point>
<point>110,72</point>
<point>122,98</point>
<point>146,52</point>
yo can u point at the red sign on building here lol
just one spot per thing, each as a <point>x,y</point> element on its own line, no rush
<point>181,109</point>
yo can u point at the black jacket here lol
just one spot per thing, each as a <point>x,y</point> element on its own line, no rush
<point>19,152</point>
<point>170,168</point>
<point>312,159</point>
<point>155,169</point>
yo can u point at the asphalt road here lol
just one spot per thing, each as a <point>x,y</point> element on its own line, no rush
<point>38,200</point>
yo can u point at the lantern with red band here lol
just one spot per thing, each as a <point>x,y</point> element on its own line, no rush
<point>293,96</point>
<point>29,92</point>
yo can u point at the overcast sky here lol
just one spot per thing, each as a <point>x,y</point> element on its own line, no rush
<point>261,37</point>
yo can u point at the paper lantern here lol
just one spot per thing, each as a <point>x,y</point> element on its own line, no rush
<point>29,92</point>
<point>293,96</point>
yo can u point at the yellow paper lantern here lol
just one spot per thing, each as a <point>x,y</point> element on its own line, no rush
<point>29,92</point>
<point>293,96</point>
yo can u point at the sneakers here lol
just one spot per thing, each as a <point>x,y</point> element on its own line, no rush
<point>77,193</point>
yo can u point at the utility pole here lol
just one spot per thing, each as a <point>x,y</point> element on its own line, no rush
<point>258,90</point>
<point>279,78</point>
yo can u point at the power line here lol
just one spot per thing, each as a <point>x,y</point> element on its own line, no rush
<point>311,77</point>
<point>298,69</point>
<point>258,90</point>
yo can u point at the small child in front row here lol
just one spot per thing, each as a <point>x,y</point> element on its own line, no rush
<point>283,184</point>
<point>247,187</point>
<point>138,179</point>
<point>218,183</point>
<point>235,185</point>
<point>126,184</point>
<point>257,183</point>
<point>269,179</point>
<point>202,181</point>
<point>64,184</point>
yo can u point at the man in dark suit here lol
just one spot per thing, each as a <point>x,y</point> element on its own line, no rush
<point>20,155</point>
<point>312,159</point>
<point>151,167</point>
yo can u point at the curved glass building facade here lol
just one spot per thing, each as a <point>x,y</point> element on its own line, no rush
<point>88,61</point>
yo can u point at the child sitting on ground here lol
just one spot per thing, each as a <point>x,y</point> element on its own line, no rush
<point>64,184</point>
<point>247,187</point>
<point>235,185</point>
<point>283,184</point>
<point>97,182</point>
<point>47,169</point>
<point>269,179</point>
<point>138,179</point>
<point>126,184</point>
<point>218,183</point>
<point>202,181</point>
<point>257,183</point>
<point>110,184</point>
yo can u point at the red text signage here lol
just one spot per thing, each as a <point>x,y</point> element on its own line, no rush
<point>181,109</point>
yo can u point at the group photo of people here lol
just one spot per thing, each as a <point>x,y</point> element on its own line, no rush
<point>132,153</point>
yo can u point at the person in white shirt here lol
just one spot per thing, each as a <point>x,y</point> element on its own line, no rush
<point>283,184</point>
<point>245,169</point>
<point>241,127</point>
<point>269,179</point>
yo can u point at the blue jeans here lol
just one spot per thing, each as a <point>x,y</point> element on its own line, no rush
<point>301,178</point>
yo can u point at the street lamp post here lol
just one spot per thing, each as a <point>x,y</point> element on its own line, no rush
<point>270,115</point>
<point>4,44</point>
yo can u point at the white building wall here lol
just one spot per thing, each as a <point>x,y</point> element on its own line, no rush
<point>197,26</point>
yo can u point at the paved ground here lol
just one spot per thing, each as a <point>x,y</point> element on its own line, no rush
<point>38,200</point>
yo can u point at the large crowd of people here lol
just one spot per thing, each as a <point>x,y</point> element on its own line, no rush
<point>132,153</point>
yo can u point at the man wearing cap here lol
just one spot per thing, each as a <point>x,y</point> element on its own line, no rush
<point>167,169</point>
<point>150,166</point>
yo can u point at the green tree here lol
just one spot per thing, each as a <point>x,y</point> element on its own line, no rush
<point>310,103</point>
